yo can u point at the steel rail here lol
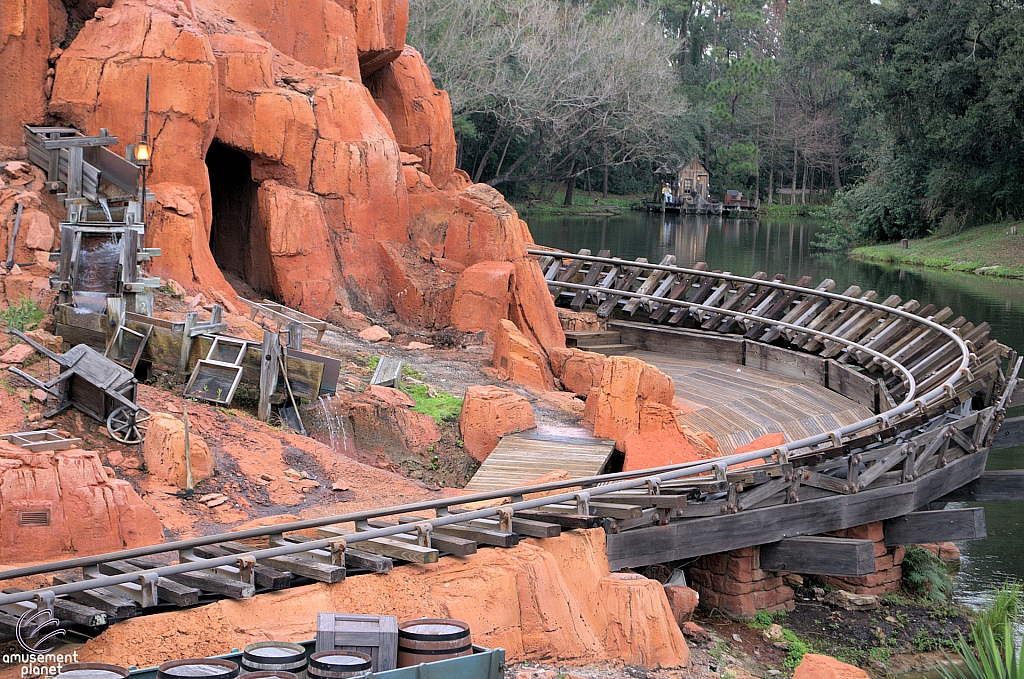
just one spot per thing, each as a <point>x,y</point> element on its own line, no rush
<point>640,478</point>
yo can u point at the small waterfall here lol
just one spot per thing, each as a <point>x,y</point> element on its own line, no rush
<point>327,419</point>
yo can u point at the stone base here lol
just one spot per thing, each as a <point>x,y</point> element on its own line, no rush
<point>734,584</point>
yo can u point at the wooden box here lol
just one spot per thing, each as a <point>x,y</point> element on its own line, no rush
<point>375,635</point>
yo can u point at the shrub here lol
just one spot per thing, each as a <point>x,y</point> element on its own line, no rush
<point>23,315</point>
<point>925,576</point>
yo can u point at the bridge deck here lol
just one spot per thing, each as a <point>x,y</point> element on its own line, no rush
<point>737,404</point>
<point>521,458</point>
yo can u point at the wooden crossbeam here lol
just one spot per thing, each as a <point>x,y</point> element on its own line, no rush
<point>813,555</point>
<point>264,577</point>
<point>992,486</point>
<point>944,525</point>
<point>593,275</point>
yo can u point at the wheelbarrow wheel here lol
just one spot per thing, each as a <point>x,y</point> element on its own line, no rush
<point>124,426</point>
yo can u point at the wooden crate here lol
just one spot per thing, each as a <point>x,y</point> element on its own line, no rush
<point>375,635</point>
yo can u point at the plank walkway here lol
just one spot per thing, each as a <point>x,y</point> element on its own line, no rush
<point>737,404</point>
<point>521,458</point>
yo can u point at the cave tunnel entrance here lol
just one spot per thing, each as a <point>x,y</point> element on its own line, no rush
<point>237,238</point>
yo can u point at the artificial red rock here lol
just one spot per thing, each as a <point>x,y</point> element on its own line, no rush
<point>581,370</point>
<point>111,57</point>
<point>348,319</point>
<point>85,511</point>
<point>164,451</point>
<point>661,441</point>
<point>683,602</point>
<point>627,384</point>
<point>519,358</point>
<point>482,295</point>
<point>299,244</point>
<point>420,114</point>
<point>39,396</point>
<point>814,666</point>
<point>375,333</point>
<point>380,31</point>
<point>37,229</point>
<point>19,353</point>
<point>24,49</point>
<point>393,397</point>
<point>175,225</point>
<point>488,413</point>
<point>51,342</point>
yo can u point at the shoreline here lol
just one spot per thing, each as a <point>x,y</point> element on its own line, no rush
<point>994,250</point>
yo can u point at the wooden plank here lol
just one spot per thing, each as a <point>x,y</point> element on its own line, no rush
<point>1010,433</point>
<point>822,318</point>
<point>520,458</point>
<point>815,555</point>
<point>780,361</point>
<point>296,564</point>
<point>446,543</point>
<point>624,282</point>
<point>945,525</point>
<point>367,561</point>
<point>992,486</point>
<point>116,606</point>
<point>736,300</point>
<point>264,577</point>
<point>649,285</point>
<point>71,611</point>
<point>690,343</point>
<point>484,536</point>
<point>167,590</point>
<point>598,508</point>
<point>571,269</point>
<point>848,313</point>
<point>853,385</point>
<point>803,311</point>
<point>393,549</point>
<point>752,302</point>
<point>776,309</point>
<point>592,277</point>
<point>533,529</point>
<point>215,584</point>
<point>706,286</point>
<point>566,521</point>
<point>679,291</point>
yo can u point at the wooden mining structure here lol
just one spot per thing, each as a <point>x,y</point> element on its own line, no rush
<point>931,388</point>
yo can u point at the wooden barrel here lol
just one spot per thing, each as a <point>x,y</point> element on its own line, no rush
<point>274,656</point>
<point>432,639</point>
<point>92,670</point>
<point>338,664</point>
<point>207,668</point>
<point>268,674</point>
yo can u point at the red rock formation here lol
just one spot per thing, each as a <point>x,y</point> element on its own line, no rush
<point>101,82</point>
<point>420,114</point>
<point>318,33</point>
<point>626,385</point>
<point>380,31</point>
<point>519,358</point>
<point>164,452</point>
<point>683,602</point>
<point>547,600</point>
<point>661,441</point>
<point>86,512</point>
<point>24,48</point>
<point>482,296</point>
<point>175,225</point>
<point>489,413</point>
<point>814,666</point>
<point>578,370</point>
<point>299,243</point>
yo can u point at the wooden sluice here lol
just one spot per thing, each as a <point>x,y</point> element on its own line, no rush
<point>924,394</point>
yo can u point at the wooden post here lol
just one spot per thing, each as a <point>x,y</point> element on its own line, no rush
<point>191,319</point>
<point>294,330</point>
<point>53,172</point>
<point>75,160</point>
<point>269,367</point>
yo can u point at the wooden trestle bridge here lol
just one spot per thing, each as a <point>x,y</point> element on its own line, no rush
<point>930,389</point>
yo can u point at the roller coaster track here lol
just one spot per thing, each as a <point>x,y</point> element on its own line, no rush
<point>953,381</point>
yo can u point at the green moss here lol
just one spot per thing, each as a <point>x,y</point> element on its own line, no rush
<point>443,407</point>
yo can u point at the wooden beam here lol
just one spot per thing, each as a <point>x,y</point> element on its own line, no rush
<point>295,564</point>
<point>167,590</point>
<point>393,549</point>
<point>945,525</point>
<point>445,543</point>
<point>264,577</point>
<point>70,611</point>
<point>565,521</point>
<point>483,536</point>
<point>815,555</point>
<point>216,584</point>
<point>116,606</point>
<point>367,561</point>
<point>1010,433</point>
<point>709,535</point>
<point>995,486</point>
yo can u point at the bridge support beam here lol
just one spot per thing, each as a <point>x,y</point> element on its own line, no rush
<point>996,486</point>
<point>946,525</point>
<point>820,556</point>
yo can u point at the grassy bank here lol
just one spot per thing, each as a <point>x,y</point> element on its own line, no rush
<point>991,250</point>
<point>584,203</point>
<point>787,210</point>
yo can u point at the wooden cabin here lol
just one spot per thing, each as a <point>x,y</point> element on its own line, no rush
<point>693,179</point>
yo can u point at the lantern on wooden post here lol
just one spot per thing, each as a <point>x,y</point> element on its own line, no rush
<point>143,150</point>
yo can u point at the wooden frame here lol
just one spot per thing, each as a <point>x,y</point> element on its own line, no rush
<point>116,341</point>
<point>42,440</point>
<point>208,368</point>
<point>281,316</point>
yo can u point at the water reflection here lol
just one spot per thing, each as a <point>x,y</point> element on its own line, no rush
<point>774,246</point>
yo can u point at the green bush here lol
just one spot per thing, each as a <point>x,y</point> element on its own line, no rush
<point>995,655</point>
<point>1005,608</point>
<point>925,576</point>
<point>23,315</point>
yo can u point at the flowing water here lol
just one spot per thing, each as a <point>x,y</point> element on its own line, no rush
<point>783,245</point>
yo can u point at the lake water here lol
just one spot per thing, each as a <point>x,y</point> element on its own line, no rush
<point>743,247</point>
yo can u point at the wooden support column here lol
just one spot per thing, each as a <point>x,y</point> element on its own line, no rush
<point>268,371</point>
<point>945,525</point>
<point>191,320</point>
<point>820,556</point>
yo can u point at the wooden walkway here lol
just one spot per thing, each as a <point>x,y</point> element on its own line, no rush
<point>737,404</point>
<point>521,458</point>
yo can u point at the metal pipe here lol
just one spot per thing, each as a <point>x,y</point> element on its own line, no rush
<point>9,264</point>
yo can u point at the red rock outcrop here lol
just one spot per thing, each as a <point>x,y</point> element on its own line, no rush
<point>420,114</point>
<point>482,295</point>
<point>683,602</point>
<point>101,82</point>
<point>627,384</point>
<point>488,413</point>
<point>548,600</point>
<point>164,451</point>
<point>578,370</point>
<point>299,243</point>
<point>380,31</point>
<point>24,48</point>
<point>175,225</point>
<point>519,358</point>
<point>80,509</point>
<point>814,666</point>
<point>662,441</point>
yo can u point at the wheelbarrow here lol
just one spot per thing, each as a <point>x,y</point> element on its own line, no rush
<point>96,386</point>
